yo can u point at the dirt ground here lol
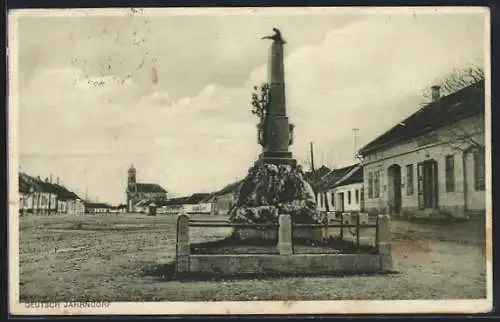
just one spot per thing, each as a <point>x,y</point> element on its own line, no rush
<point>115,258</point>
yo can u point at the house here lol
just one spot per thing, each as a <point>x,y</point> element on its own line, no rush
<point>341,190</point>
<point>36,195</point>
<point>431,163</point>
<point>193,204</point>
<point>224,199</point>
<point>44,197</point>
<point>136,192</point>
<point>96,207</point>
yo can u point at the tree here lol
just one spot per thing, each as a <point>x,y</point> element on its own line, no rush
<point>460,138</point>
<point>459,78</point>
<point>260,101</point>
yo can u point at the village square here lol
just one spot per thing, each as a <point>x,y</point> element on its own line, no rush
<point>285,211</point>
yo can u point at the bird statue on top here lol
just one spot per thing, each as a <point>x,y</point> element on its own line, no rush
<point>276,37</point>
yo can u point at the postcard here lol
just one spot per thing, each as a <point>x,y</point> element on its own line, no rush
<point>219,161</point>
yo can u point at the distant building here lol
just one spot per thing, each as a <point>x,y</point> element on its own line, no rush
<point>194,204</point>
<point>137,192</point>
<point>341,190</point>
<point>44,197</point>
<point>224,199</point>
<point>431,163</point>
<point>97,207</point>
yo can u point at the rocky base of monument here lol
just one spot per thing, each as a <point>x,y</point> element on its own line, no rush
<point>270,190</point>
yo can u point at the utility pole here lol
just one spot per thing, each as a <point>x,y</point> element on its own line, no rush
<point>312,158</point>
<point>355,131</point>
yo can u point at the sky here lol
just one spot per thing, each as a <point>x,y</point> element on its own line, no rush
<point>170,93</point>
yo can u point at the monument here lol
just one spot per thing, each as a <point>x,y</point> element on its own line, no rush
<point>277,132</point>
<point>275,184</point>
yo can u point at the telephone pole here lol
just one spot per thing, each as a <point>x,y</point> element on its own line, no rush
<point>312,158</point>
<point>355,131</point>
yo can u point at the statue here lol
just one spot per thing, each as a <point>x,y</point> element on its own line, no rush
<point>276,37</point>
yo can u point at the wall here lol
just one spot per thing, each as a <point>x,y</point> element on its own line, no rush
<point>445,141</point>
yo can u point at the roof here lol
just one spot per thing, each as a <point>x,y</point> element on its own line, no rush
<point>464,103</point>
<point>89,204</point>
<point>332,178</point>
<point>355,175</point>
<point>230,188</point>
<point>312,177</point>
<point>26,182</point>
<point>150,188</point>
<point>189,200</point>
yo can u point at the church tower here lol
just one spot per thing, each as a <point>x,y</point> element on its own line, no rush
<point>131,179</point>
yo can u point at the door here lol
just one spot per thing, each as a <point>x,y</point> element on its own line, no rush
<point>394,182</point>
<point>340,202</point>
<point>427,184</point>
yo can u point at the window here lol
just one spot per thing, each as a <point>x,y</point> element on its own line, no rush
<point>333,199</point>
<point>479,183</point>
<point>320,199</point>
<point>370,185</point>
<point>409,179</point>
<point>376,183</point>
<point>349,197</point>
<point>356,193</point>
<point>43,201</point>
<point>450,173</point>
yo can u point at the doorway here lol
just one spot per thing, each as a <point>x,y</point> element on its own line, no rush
<point>340,202</point>
<point>427,184</point>
<point>394,188</point>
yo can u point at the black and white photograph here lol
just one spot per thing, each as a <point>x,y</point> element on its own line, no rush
<point>296,160</point>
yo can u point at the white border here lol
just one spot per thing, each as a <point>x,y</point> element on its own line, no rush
<point>250,307</point>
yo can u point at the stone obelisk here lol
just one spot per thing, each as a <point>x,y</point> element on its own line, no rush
<point>278,131</point>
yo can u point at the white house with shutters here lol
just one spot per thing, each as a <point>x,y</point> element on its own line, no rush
<point>431,163</point>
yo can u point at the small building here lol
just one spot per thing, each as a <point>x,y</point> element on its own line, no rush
<point>341,190</point>
<point>97,207</point>
<point>431,163</point>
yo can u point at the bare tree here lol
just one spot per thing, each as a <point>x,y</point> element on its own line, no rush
<point>456,80</point>
<point>460,138</point>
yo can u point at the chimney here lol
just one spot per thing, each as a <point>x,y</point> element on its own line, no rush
<point>50,180</point>
<point>46,180</point>
<point>435,90</point>
<point>57,180</point>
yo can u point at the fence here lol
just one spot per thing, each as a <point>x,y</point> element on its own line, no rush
<point>285,232</point>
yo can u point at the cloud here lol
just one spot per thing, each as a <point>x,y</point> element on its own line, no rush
<point>369,74</point>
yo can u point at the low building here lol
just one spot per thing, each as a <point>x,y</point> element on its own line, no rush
<point>341,190</point>
<point>224,199</point>
<point>97,207</point>
<point>431,163</point>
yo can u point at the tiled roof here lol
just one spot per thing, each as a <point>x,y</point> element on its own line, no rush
<point>462,104</point>
<point>149,188</point>
<point>332,178</point>
<point>354,176</point>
